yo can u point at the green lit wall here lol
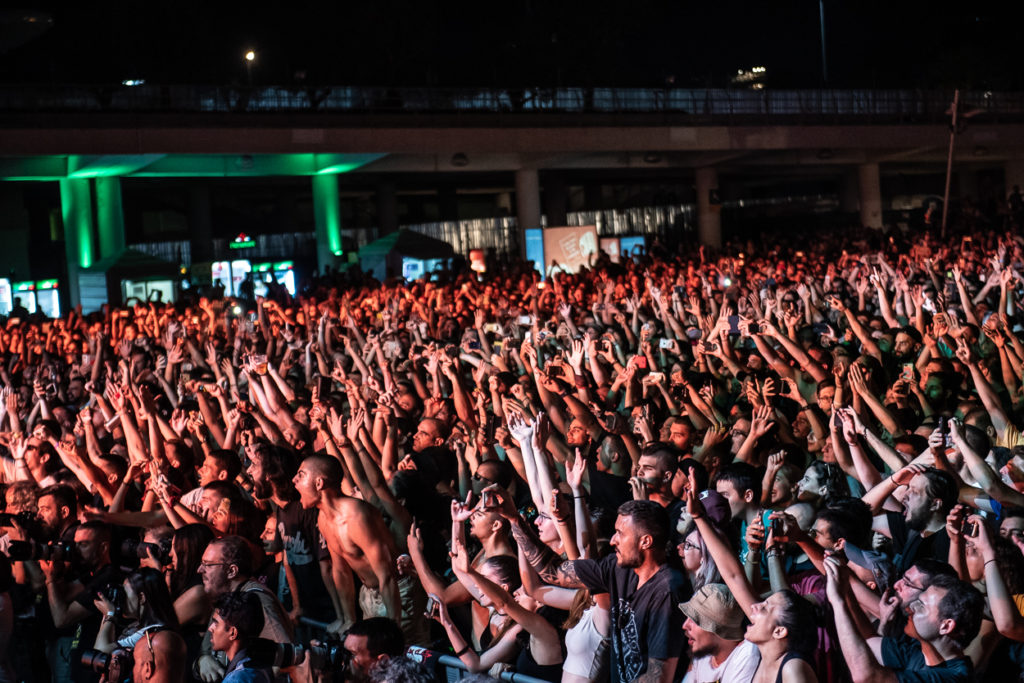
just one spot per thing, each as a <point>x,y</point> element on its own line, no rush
<point>76,207</point>
<point>327,214</point>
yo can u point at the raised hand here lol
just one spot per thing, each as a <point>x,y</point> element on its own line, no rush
<point>762,422</point>
<point>521,429</point>
<point>462,511</point>
<point>574,474</point>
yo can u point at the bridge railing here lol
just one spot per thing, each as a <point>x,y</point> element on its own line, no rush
<point>705,106</point>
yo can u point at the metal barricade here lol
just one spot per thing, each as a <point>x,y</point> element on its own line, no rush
<point>451,668</point>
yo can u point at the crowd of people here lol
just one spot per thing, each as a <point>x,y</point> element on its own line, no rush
<point>798,459</point>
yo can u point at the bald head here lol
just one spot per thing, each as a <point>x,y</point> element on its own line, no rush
<point>165,663</point>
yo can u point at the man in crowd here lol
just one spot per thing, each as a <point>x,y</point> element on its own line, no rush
<point>714,632</point>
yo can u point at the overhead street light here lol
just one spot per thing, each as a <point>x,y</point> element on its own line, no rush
<point>250,57</point>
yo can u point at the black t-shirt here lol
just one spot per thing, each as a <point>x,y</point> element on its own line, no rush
<point>85,636</point>
<point>910,545</point>
<point>305,548</point>
<point>607,491</point>
<point>903,654</point>
<point>646,621</point>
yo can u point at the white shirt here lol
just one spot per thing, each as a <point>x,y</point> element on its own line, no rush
<point>738,667</point>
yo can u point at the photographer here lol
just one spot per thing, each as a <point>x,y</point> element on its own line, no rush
<point>145,602</point>
<point>237,621</point>
<point>72,602</point>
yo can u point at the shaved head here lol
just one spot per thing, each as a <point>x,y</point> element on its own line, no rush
<point>325,467</point>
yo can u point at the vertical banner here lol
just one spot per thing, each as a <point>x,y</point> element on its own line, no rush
<point>570,247</point>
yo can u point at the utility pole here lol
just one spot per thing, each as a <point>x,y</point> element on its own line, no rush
<point>949,160</point>
<point>824,57</point>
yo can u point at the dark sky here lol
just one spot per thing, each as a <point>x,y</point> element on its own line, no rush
<point>973,44</point>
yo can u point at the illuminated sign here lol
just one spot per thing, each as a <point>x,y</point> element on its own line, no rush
<point>243,241</point>
<point>46,284</point>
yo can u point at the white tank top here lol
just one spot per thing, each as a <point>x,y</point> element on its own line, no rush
<point>582,643</point>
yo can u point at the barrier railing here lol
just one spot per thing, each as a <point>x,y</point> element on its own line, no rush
<point>450,668</point>
<point>700,106</point>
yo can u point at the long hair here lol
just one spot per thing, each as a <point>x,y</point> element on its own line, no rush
<point>157,608</point>
<point>189,544</point>
<point>581,602</point>
<point>707,572</point>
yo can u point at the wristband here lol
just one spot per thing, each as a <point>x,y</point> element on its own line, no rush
<point>462,651</point>
<point>987,563</point>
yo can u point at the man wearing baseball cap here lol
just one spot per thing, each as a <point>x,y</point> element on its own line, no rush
<point>714,632</point>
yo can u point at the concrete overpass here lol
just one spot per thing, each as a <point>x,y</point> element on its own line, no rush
<point>88,139</point>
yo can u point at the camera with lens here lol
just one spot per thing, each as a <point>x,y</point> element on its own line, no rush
<point>115,667</point>
<point>329,656</point>
<point>133,547</point>
<point>54,551</point>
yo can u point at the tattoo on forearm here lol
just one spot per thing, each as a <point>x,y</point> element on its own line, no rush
<point>544,560</point>
<point>653,673</point>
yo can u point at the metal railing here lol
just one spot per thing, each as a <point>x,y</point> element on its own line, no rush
<point>709,105</point>
<point>449,668</point>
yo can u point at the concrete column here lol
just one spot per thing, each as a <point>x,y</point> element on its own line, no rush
<point>200,224</point>
<point>386,196</point>
<point>110,216</point>
<point>527,204</point>
<point>327,216</point>
<point>79,242</point>
<point>870,185</point>
<point>709,216</point>
<point>1013,171</point>
<point>556,200</point>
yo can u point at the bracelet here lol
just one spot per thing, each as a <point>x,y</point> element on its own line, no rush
<point>987,563</point>
<point>462,651</point>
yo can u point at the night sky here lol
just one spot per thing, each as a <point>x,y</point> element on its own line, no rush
<point>974,45</point>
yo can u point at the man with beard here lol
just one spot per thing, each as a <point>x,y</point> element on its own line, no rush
<point>920,531</point>
<point>644,591</point>
<point>72,601</point>
<point>653,481</point>
<point>714,632</point>
<point>943,619</point>
<point>227,567</point>
<point>358,541</point>
<point>307,564</point>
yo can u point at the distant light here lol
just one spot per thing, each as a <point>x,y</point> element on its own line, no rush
<point>134,81</point>
<point>250,56</point>
<point>237,310</point>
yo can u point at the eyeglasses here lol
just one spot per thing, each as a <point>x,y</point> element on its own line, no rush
<point>911,585</point>
<point>690,546</point>
<point>204,563</point>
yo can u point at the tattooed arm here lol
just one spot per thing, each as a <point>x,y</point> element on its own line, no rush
<point>551,568</point>
<point>658,671</point>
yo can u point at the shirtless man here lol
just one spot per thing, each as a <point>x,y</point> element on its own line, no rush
<point>357,538</point>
